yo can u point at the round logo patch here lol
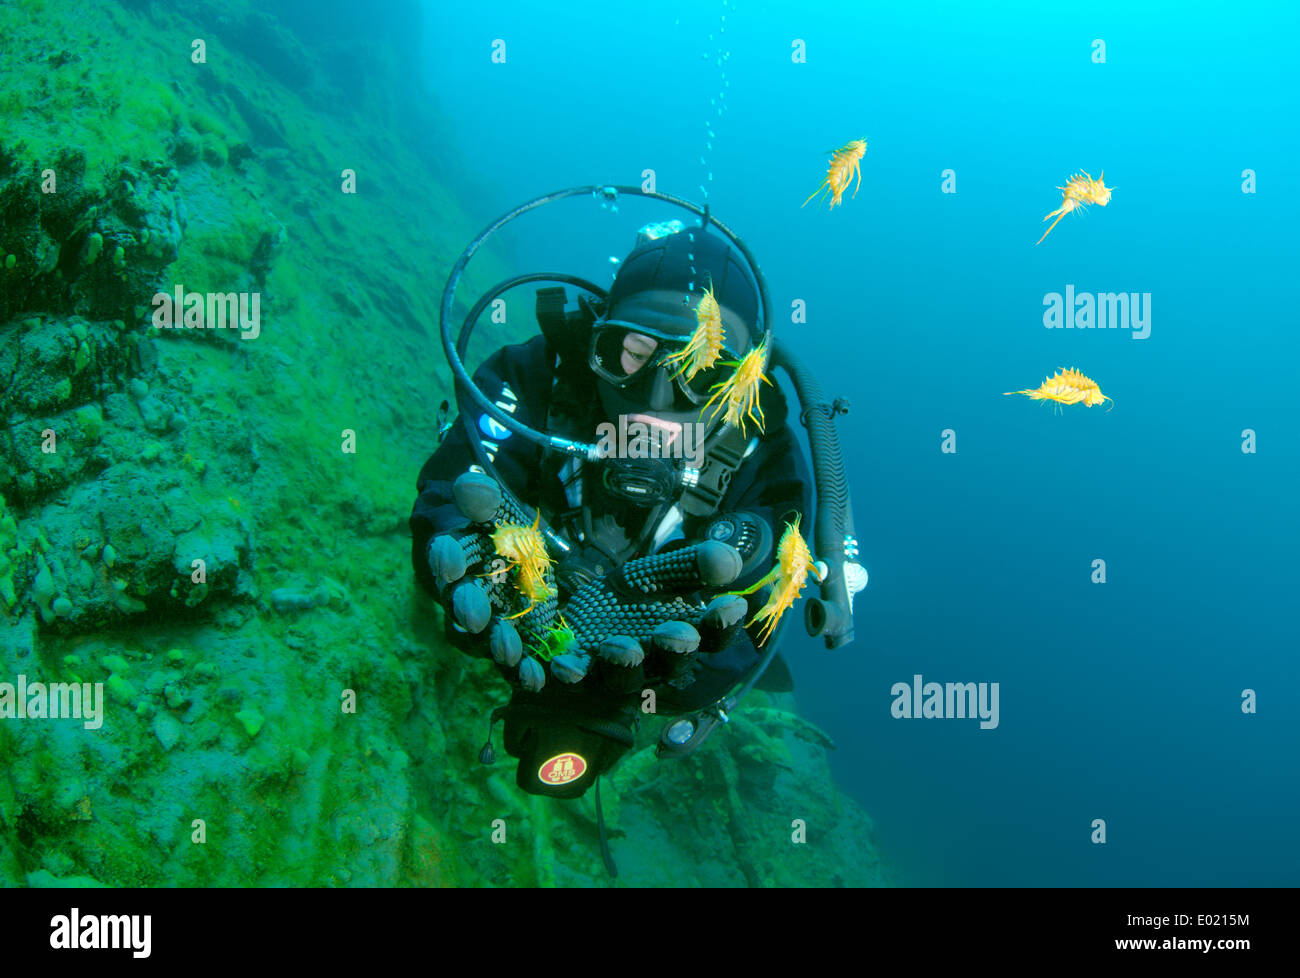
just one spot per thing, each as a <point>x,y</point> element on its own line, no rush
<point>562,768</point>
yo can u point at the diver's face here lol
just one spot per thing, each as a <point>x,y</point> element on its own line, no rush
<point>637,349</point>
<point>653,392</point>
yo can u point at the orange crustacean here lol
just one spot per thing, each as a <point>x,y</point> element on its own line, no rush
<point>738,394</point>
<point>794,562</point>
<point>845,164</point>
<point>524,548</point>
<point>1080,190</point>
<point>705,346</point>
<point>1068,387</point>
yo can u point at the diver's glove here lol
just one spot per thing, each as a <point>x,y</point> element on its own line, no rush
<point>479,589</point>
<point>647,622</point>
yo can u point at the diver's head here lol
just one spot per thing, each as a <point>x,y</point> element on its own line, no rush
<point>651,317</point>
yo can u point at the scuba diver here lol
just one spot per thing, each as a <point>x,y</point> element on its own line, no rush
<point>607,576</point>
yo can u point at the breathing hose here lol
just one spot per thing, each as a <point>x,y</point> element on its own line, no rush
<point>831,616</point>
<point>465,383</point>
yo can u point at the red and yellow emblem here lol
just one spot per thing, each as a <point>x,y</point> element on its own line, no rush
<point>562,768</point>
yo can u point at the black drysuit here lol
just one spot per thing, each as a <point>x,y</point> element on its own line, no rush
<point>771,483</point>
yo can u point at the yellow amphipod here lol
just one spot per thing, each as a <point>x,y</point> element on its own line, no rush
<point>525,549</point>
<point>794,562</point>
<point>705,346</point>
<point>1068,387</point>
<point>845,164</point>
<point>1079,191</point>
<point>738,394</point>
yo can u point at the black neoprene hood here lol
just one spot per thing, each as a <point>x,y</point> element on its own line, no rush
<point>659,284</point>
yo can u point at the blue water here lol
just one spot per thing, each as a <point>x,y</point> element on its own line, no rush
<point>1118,701</point>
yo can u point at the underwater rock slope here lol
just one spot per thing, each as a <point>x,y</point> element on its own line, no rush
<point>179,522</point>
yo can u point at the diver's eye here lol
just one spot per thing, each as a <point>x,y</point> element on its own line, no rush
<point>637,349</point>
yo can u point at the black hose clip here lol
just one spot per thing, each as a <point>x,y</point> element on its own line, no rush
<point>838,406</point>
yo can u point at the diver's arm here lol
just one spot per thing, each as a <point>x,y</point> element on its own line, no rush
<point>773,485</point>
<point>523,370</point>
<point>769,489</point>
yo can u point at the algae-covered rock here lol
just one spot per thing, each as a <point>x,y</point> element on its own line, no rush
<point>90,422</point>
<point>12,556</point>
<point>167,730</point>
<point>116,663</point>
<point>176,695</point>
<point>294,600</point>
<point>42,879</point>
<point>93,247</point>
<point>122,689</point>
<point>251,720</point>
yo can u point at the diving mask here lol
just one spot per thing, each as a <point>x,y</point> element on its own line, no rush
<point>625,355</point>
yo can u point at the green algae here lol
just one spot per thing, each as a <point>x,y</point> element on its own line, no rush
<point>115,663</point>
<point>251,720</point>
<point>90,423</point>
<point>122,689</point>
<point>11,556</point>
<point>81,359</point>
<point>94,246</point>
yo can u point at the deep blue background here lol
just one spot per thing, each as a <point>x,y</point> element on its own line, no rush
<point>1118,701</point>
